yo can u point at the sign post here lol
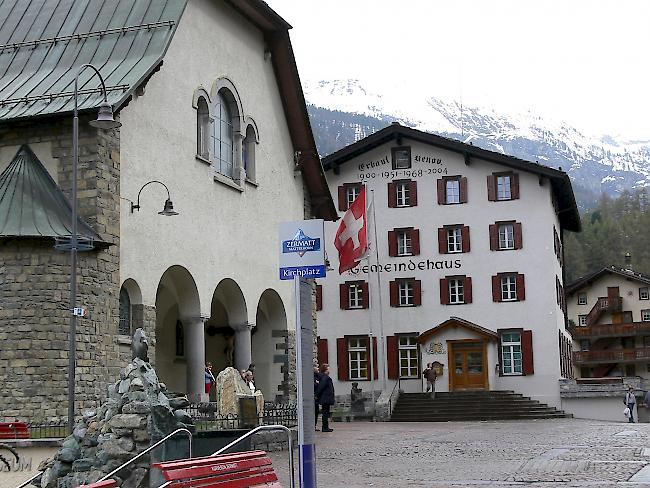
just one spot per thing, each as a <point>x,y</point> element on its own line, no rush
<point>302,256</point>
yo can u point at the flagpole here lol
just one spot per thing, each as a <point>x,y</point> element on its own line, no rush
<point>380,350</point>
<point>371,336</point>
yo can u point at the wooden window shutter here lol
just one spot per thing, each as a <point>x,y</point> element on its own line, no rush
<point>518,235</point>
<point>343,200</point>
<point>415,241</point>
<point>394,301</point>
<point>496,288</point>
<point>527,352</point>
<point>319,297</point>
<point>463,189</point>
<point>492,188</point>
<point>392,195</point>
<point>392,243</point>
<point>375,369</point>
<point>444,291</point>
<point>468,290</point>
<point>514,186</point>
<point>392,357</point>
<point>365,296</point>
<point>323,354</point>
<point>464,232</point>
<point>441,191</point>
<point>343,296</point>
<point>494,237</point>
<point>521,287</point>
<point>342,358</point>
<point>417,292</point>
<point>442,240</point>
<point>413,193</point>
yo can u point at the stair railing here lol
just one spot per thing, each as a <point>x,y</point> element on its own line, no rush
<point>396,389</point>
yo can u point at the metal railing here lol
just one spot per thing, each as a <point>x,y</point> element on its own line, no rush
<point>612,355</point>
<point>610,330</point>
<point>397,387</point>
<point>206,418</point>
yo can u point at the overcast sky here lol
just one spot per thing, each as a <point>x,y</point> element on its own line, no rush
<point>583,61</point>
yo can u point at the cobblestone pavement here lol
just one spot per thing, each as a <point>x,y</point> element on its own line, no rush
<point>538,453</point>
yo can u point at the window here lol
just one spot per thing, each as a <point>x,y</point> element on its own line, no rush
<point>645,315</point>
<point>401,157</point>
<point>351,194</point>
<point>508,288</point>
<point>585,344</point>
<point>180,339</point>
<point>454,240</point>
<point>506,236</point>
<point>403,193</point>
<point>223,137</point>
<point>403,243</point>
<point>582,320</point>
<point>643,294</point>
<point>582,299</point>
<point>511,353</point>
<point>248,153</point>
<point>452,191</point>
<point>358,358</point>
<point>408,357</point>
<point>124,327</point>
<point>355,295</point>
<point>646,341</point>
<point>503,187</point>
<point>456,290</point>
<point>405,293</point>
<point>203,129</point>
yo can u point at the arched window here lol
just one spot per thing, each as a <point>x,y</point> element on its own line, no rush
<point>203,129</point>
<point>223,136</point>
<point>248,152</point>
<point>180,339</point>
<point>124,327</point>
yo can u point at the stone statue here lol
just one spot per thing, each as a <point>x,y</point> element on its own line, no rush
<point>140,346</point>
<point>357,402</point>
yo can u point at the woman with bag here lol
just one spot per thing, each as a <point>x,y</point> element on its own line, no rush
<point>630,402</point>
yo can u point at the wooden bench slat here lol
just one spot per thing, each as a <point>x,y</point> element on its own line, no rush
<point>220,467</point>
<point>209,460</point>
<point>223,479</point>
<point>14,430</point>
<point>257,480</point>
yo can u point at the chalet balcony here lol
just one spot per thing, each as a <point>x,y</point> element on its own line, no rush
<point>629,329</point>
<point>604,356</point>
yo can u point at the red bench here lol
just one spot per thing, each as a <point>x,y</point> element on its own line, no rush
<point>100,484</point>
<point>14,430</point>
<point>241,470</point>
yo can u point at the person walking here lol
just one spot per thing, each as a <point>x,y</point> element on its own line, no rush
<point>316,406</point>
<point>630,402</point>
<point>209,378</point>
<point>325,396</point>
<point>430,375</point>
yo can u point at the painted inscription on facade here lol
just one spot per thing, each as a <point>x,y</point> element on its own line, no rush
<point>381,169</point>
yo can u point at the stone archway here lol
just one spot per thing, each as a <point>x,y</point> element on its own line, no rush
<point>270,329</point>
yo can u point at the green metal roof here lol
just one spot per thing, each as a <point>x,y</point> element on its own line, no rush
<point>43,43</point>
<point>32,204</point>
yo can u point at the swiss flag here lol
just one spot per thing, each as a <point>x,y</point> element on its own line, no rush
<point>351,238</point>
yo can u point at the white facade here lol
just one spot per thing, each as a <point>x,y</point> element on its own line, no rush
<point>539,312</point>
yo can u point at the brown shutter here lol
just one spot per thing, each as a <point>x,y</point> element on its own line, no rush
<point>392,195</point>
<point>442,240</point>
<point>494,237</point>
<point>323,354</point>
<point>464,232</point>
<point>463,189</point>
<point>441,191</point>
<point>392,243</point>
<point>527,352</point>
<point>521,287</point>
<point>415,241</point>
<point>413,192</point>
<point>417,292</point>
<point>468,290</point>
<point>375,369</point>
<point>342,358</point>
<point>319,297</point>
<point>514,186</point>
<point>393,294</point>
<point>518,235</point>
<point>491,188</point>
<point>444,291</point>
<point>496,288</point>
<point>343,296</point>
<point>343,201</point>
<point>365,296</point>
<point>392,357</point>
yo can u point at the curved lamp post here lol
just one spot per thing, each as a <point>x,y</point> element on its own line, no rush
<point>168,209</point>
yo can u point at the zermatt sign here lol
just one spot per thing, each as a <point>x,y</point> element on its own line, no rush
<point>301,250</point>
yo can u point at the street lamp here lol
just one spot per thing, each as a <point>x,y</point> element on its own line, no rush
<point>168,209</point>
<point>105,121</point>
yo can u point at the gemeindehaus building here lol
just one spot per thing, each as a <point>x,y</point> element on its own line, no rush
<point>213,119</point>
<point>468,273</point>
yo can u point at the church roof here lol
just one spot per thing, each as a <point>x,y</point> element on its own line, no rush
<point>32,204</point>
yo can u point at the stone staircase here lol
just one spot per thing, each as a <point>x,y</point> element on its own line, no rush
<point>470,405</point>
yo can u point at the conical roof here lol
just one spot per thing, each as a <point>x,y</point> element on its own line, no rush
<point>33,205</point>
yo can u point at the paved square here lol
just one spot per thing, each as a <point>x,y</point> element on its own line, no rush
<point>539,453</point>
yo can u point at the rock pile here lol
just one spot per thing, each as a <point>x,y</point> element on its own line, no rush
<point>230,388</point>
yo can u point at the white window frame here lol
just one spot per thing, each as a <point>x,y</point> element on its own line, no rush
<point>509,354</point>
<point>452,190</point>
<point>582,298</point>
<point>405,293</point>
<point>397,160</point>
<point>454,240</point>
<point>403,193</point>
<point>582,320</point>
<point>224,163</point>
<point>357,358</point>
<point>456,290</point>
<point>508,288</point>
<point>355,296</point>
<point>506,236</point>
<point>645,315</point>
<point>351,194</point>
<point>404,243</point>
<point>504,187</point>
<point>644,294</point>
<point>408,353</point>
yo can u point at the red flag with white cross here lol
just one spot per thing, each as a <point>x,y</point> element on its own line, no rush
<point>351,237</point>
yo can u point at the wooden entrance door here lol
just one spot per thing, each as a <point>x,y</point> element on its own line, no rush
<point>468,365</point>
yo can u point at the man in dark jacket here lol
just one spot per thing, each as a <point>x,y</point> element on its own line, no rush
<point>316,383</point>
<point>325,395</point>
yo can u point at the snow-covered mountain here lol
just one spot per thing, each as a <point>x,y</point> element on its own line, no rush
<point>344,111</point>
